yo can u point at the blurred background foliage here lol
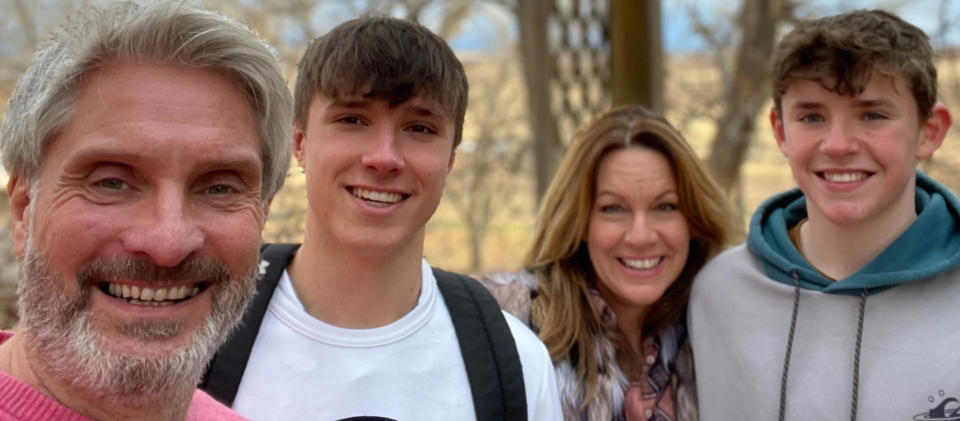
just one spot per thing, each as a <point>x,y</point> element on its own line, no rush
<point>538,69</point>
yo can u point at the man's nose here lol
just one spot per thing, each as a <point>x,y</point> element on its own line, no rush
<point>164,229</point>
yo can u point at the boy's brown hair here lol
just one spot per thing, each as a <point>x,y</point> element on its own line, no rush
<point>382,58</point>
<point>842,52</point>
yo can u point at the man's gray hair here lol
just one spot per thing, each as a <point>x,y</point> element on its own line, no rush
<point>44,98</point>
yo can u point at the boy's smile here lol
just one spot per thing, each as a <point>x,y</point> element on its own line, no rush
<point>854,156</point>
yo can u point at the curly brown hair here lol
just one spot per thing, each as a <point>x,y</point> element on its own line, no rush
<point>842,53</point>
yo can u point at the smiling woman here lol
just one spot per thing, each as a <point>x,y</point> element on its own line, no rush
<point>628,220</point>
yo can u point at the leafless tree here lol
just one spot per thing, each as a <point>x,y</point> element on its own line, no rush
<point>492,160</point>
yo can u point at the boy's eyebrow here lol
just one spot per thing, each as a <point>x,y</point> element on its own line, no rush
<point>351,102</point>
<point>808,105</point>
<point>872,103</point>
<point>424,111</point>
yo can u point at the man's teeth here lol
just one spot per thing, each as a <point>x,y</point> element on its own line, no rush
<point>377,196</point>
<point>844,177</point>
<point>152,294</point>
<point>641,264</point>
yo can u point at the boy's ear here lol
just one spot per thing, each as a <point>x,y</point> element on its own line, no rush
<point>453,157</point>
<point>933,131</point>
<point>297,143</point>
<point>19,191</point>
<point>776,123</point>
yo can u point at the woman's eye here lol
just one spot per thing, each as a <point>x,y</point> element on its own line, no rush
<point>611,208</point>
<point>667,207</point>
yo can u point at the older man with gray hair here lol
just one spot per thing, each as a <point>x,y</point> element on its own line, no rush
<point>143,146</point>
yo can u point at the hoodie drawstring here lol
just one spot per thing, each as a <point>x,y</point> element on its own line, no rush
<point>786,359</point>
<point>856,356</point>
<point>856,351</point>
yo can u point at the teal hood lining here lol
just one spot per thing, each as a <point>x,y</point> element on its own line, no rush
<point>931,245</point>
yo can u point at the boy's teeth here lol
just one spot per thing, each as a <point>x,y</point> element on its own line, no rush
<point>844,177</point>
<point>377,196</point>
<point>641,263</point>
<point>152,294</point>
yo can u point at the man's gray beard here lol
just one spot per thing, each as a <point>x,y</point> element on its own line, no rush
<point>58,333</point>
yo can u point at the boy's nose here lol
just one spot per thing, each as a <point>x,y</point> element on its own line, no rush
<point>839,140</point>
<point>383,156</point>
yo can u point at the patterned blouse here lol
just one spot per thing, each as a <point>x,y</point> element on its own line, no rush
<point>650,397</point>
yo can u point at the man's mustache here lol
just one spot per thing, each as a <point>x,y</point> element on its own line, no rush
<point>193,269</point>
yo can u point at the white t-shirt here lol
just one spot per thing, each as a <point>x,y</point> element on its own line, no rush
<point>301,368</point>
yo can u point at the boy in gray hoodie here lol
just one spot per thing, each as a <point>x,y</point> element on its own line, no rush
<point>843,301</point>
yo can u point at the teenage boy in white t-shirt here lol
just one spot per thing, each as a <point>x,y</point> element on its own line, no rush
<point>357,325</point>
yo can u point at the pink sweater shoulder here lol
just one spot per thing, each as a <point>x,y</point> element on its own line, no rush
<point>20,402</point>
<point>205,408</point>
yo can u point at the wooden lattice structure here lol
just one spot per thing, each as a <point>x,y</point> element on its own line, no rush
<point>578,39</point>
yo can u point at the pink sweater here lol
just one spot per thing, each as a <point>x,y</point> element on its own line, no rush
<point>20,402</point>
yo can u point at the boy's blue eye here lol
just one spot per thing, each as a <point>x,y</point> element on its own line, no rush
<point>349,120</point>
<point>421,128</point>
<point>874,116</point>
<point>811,118</point>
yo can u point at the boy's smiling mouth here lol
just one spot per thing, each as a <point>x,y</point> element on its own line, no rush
<point>377,198</point>
<point>843,176</point>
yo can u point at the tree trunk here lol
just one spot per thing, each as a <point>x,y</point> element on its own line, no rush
<point>538,71</point>
<point>748,91</point>
<point>636,54</point>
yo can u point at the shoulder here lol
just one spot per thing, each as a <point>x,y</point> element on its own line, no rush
<point>735,261</point>
<point>513,291</point>
<point>529,345</point>
<point>539,376</point>
<point>205,408</point>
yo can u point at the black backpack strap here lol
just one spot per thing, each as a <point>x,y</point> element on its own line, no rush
<point>223,375</point>
<point>487,346</point>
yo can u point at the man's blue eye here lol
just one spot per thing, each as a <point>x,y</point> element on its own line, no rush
<point>220,189</point>
<point>112,184</point>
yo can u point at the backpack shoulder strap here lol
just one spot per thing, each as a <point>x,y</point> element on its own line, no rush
<point>223,375</point>
<point>487,346</point>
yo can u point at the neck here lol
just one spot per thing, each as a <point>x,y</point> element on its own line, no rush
<point>18,363</point>
<point>353,288</point>
<point>840,250</point>
<point>630,322</point>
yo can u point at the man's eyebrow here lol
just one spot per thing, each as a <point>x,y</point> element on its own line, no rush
<point>246,160</point>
